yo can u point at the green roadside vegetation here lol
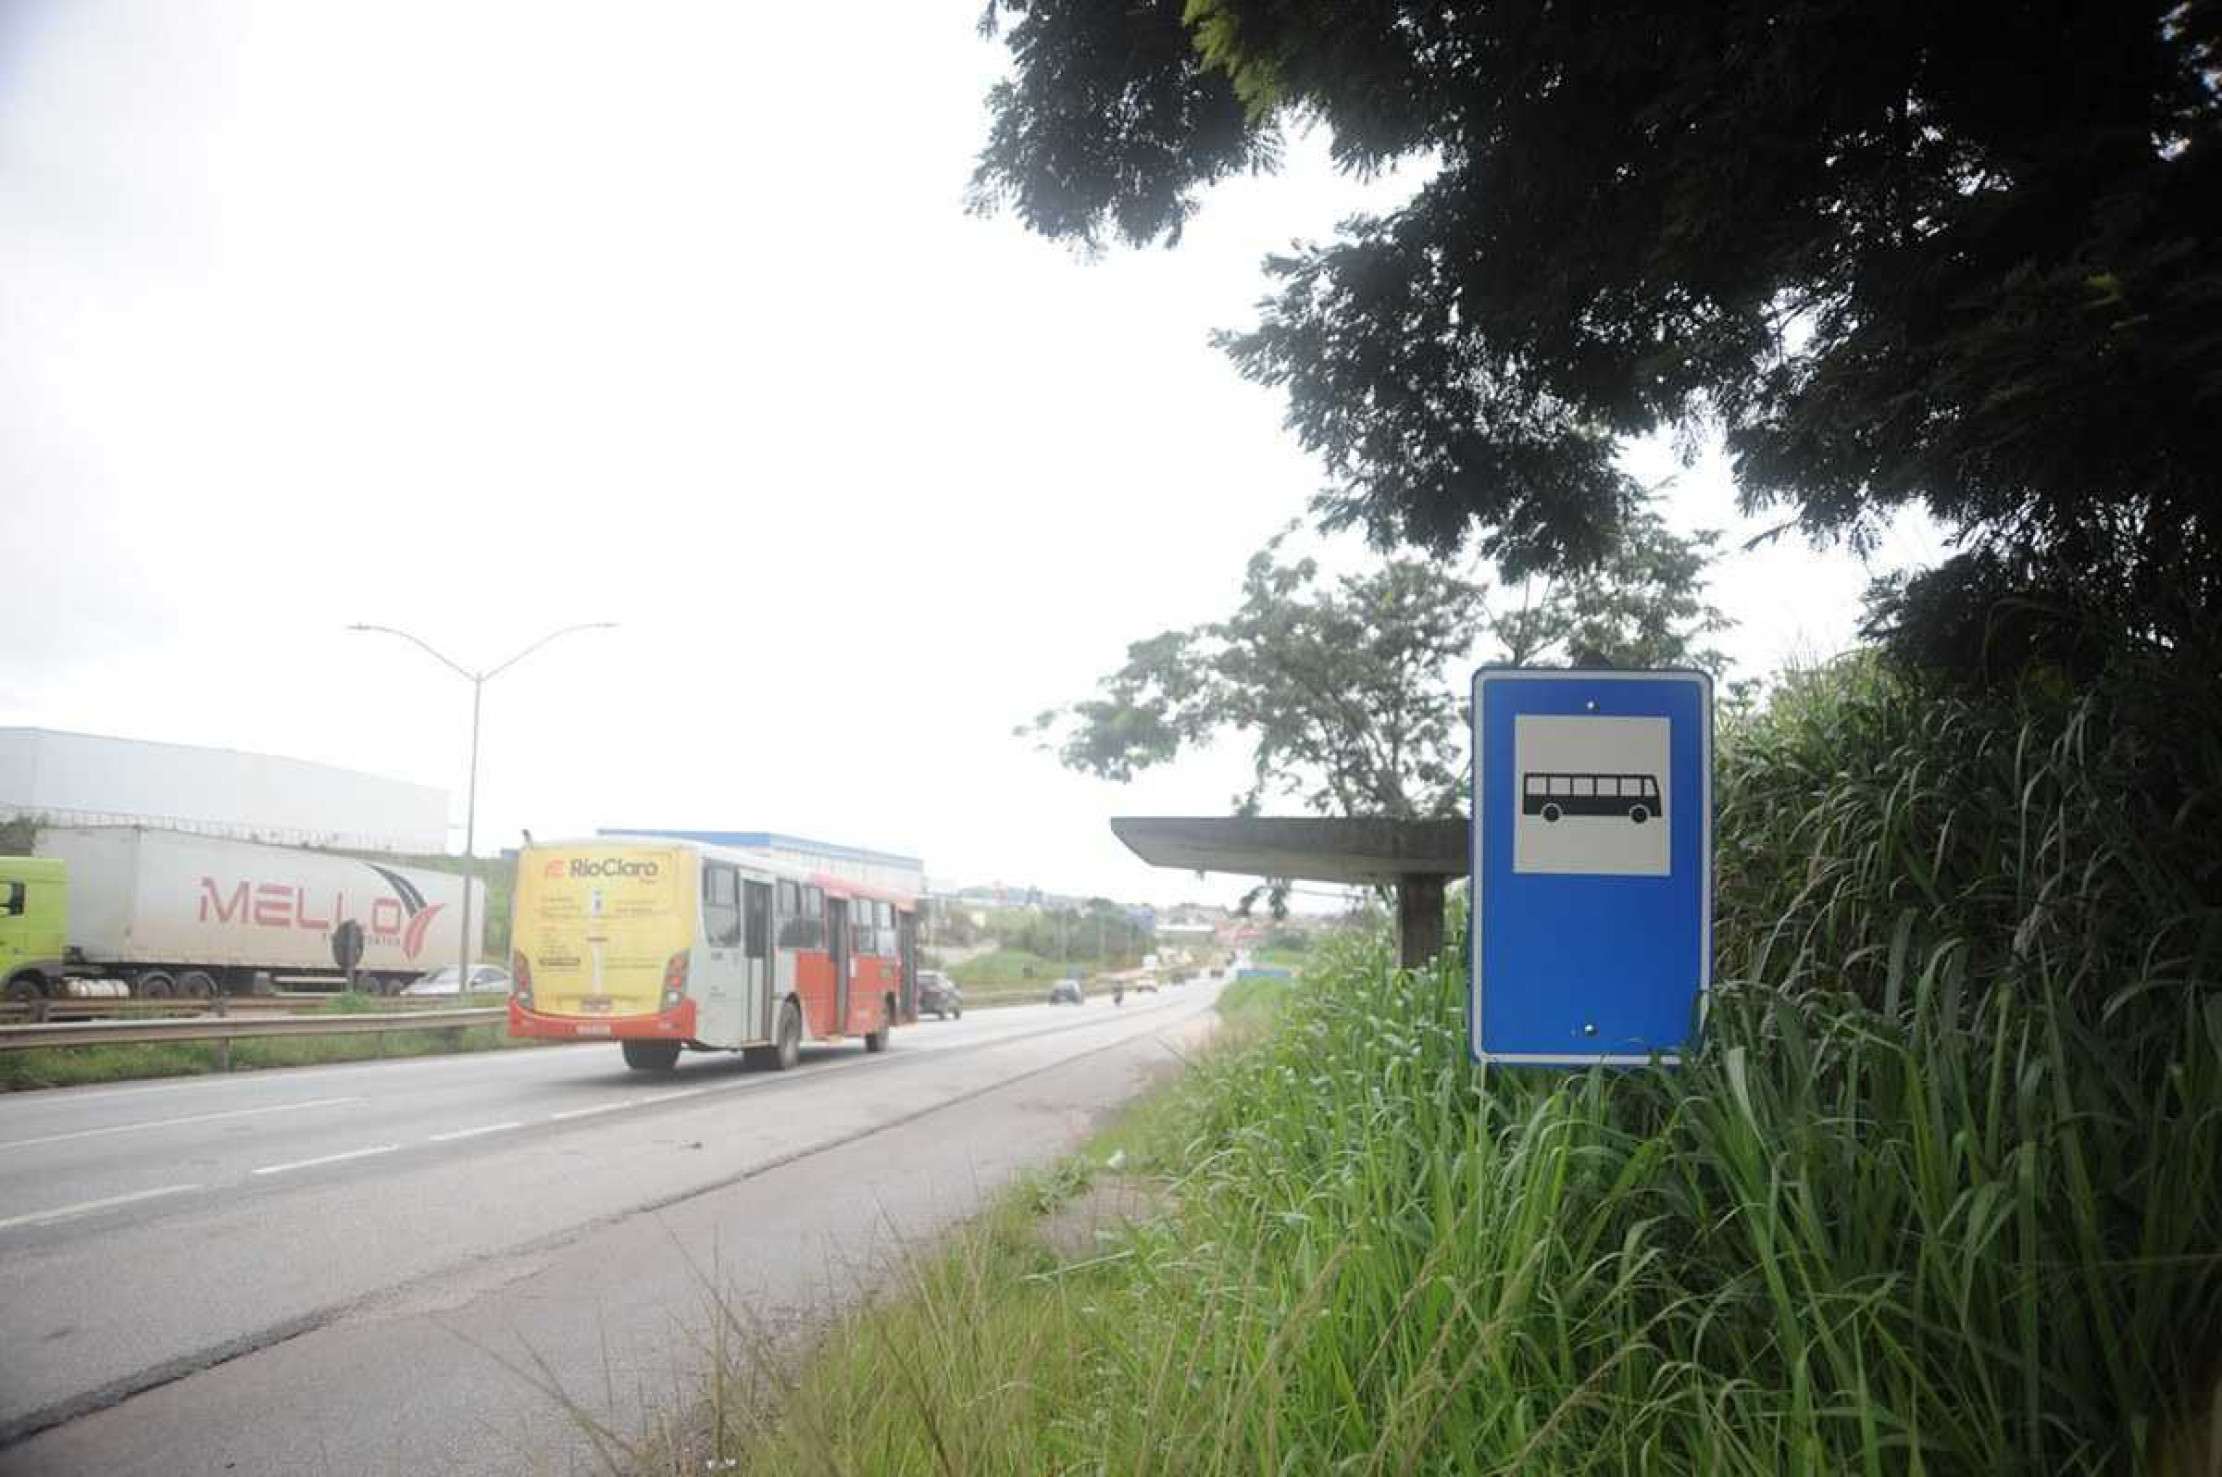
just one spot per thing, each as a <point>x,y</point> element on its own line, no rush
<point>1941,1192</point>
<point>1034,947</point>
<point>80,1066</point>
<point>1018,976</point>
<point>1005,976</point>
<point>1249,1003</point>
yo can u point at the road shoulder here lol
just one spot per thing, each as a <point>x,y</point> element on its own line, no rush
<point>472,1371</point>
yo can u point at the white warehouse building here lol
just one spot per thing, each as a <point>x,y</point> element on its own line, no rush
<point>83,779</point>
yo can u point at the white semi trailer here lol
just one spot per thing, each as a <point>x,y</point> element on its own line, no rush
<point>170,913</point>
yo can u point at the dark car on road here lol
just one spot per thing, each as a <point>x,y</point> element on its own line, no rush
<point>939,994</point>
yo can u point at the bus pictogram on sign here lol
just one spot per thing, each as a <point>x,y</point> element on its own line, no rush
<point>1633,797</point>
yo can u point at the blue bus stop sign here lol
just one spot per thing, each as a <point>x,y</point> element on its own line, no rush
<point>1592,864</point>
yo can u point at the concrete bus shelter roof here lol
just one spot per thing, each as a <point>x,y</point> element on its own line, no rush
<point>1414,855</point>
<point>1368,849</point>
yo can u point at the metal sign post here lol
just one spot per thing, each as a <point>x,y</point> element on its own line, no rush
<point>1592,864</point>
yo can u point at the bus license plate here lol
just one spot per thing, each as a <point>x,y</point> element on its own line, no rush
<point>588,1028</point>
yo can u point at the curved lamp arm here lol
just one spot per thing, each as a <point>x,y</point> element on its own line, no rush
<point>466,673</point>
<point>543,641</point>
<point>455,667</point>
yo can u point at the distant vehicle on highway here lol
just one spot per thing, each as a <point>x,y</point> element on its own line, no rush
<point>1067,992</point>
<point>442,981</point>
<point>939,994</point>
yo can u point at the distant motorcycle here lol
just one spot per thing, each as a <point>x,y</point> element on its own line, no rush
<point>1118,994</point>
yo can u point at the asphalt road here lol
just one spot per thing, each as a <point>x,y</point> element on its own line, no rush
<point>396,1266</point>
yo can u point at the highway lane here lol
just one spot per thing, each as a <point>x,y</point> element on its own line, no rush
<point>152,1230</point>
<point>100,1151</point>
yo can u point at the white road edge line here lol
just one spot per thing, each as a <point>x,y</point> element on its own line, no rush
<point>631,1102</point>
<point>472,1133</point>
<point>86,1133</point>
<point>40,1217</point>
<point>326,1159</point>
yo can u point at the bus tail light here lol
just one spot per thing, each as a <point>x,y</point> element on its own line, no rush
<point>675,980</point>
<point>520,980</point>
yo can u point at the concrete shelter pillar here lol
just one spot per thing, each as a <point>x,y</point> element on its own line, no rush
<point>1419,918</point>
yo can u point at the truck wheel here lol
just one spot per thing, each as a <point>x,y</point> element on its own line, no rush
<point>651,1056</point>
<point>29,985</point>
<point>153,984</point>
<point>197,984</point>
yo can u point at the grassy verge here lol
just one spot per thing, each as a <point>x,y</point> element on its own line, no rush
<point>1010,977</point>
<point>78,1066</point>
<point>1000,967</point>
<point>1836,1244</point>
<point>1246,1003</point>
<point>998,1298</point>
<point>1941,1192</point>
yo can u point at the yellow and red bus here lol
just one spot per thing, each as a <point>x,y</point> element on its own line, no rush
<point>668,945</point>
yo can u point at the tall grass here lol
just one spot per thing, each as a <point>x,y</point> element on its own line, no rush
<point>2069,835</point>
<point>1941,1193</point>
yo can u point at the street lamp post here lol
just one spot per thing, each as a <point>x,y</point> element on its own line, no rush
<point>478,681</point>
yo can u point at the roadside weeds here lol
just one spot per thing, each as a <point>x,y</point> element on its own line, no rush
<point>815,1393</point>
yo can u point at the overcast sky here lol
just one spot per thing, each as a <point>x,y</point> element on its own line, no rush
<point>481,319</point>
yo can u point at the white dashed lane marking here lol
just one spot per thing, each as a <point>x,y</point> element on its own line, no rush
<point>326,1159</point>
<point>597,1108</point>
<point>86,1133</point>
<point>40,1217</point>
<point>472,1133</point>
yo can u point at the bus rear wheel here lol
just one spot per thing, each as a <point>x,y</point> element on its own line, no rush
<point>787,1047</point>
<point>651,1056</point>
<point>1639,814</point>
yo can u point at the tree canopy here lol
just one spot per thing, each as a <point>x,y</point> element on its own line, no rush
<point>1956,255</point>
<point>1349,690</point>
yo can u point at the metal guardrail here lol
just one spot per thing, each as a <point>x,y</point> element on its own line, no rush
<point>225,1029</point>
<point>34,1012</point>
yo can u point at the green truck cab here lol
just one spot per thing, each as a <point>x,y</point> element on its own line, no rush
<point>34,924</point>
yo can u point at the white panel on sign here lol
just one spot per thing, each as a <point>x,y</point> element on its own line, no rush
<point>1593,795</point>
